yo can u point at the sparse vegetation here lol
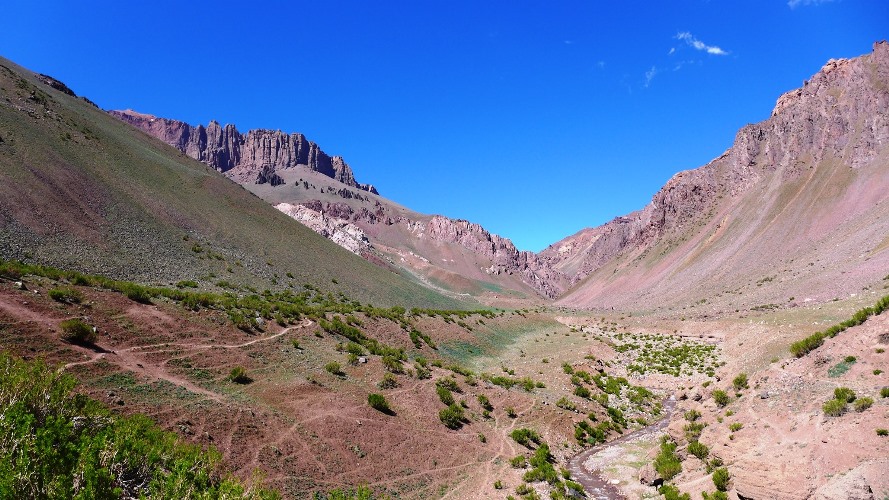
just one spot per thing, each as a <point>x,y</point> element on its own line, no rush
<point>77,331</point>
<point>239,375</point>
<point>66,295</point>
<point>378,402</point>
<point>740,382</point>
<point>736,426</point>
<point>452,416</point>
<point>720,397</point>
<point>802,347</point>
<point>862,404</point>
<point>334,368</point>
<point>834,408</point>
<point>699,450</point>
<point>882,432</point>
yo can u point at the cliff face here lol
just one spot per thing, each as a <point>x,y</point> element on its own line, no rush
<point>838,120</point>
<point>255,157</point>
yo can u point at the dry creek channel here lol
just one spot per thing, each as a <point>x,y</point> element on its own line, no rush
<point>595,484</point>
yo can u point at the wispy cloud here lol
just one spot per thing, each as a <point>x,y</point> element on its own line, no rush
<point>796,3</point>
<point>693,42</point>
<point>649,75</point>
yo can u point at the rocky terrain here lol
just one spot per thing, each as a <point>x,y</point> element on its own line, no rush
<point>257,156</point>
<point>806,187</point>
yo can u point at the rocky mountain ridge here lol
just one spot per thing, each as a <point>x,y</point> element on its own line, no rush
<point>838,119</point>
<point>257,156</point>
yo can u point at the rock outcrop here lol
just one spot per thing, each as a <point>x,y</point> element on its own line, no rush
<point>253,157</point>
<point>341,232</point>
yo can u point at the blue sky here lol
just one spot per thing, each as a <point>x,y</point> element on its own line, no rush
<point>534,119</point>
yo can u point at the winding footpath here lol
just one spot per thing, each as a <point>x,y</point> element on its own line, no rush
<point>596,486</point>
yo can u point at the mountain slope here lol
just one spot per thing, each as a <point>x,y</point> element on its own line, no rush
<point>795,210</point>
<point>80,190</point>
<point>454,255</point>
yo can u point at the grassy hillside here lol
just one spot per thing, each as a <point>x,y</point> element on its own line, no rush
<point>81,190</point>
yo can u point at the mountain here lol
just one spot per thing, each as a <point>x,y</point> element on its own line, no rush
<point>81,190</point>
<point>455,256</point>
<point>796,210</point>
<point>257,156</point>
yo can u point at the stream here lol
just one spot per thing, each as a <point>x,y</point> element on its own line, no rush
<point>596,486</point>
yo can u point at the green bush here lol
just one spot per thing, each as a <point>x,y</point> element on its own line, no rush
<point>485,402</point>
<point>698,449</point>
<point>378,402</point>
<point>389,382</point>
<point>519,461</point>
<point>239,375</point>
<point>452,416</point>
<point>66,295</point>
<point>58,444</point>
<point>716,495</point>
<point>834,407</point>
<point>862,404</point>
<point>444,395</point>
<point>884,392</point>
<point>671,492</point>
<point>721,478</point>
<point>740,382</point>
<point>882,432</point>
<point>77,331</point>
<point>667,464</point>
<point>720,397</point>
<point>334,368</point>
<point>692,415</point>
<point>736,426</point>
<point>844,394</point>
<point>525,437</point>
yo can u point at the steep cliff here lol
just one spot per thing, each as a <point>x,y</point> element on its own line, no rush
<point>256,157</point>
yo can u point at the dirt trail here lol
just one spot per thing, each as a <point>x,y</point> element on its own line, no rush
<point>596,486</point>
<point>129,359</point>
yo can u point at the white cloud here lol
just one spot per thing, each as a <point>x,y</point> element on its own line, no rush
<point>672,50</point>
<point>699,45</point>
<point>796,3</point>
<point>649,76</point>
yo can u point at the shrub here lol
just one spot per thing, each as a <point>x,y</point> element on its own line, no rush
<point>671,492</point>
<point>698,449</point>
<point>716,495</point>
<point>389,382</point>
<point>692,415</point>
<point>565,404</point>
<point>485,402</point>
<point>834,407</point>
<point>884,392</point>
<point>736,426</point>
<point>77,331</point>
<point>444,395</point>
<point>498,485</point>
<point>519,461</point>
<point>510,412</point>
<point>66,295</point>
<point>525,436</point>
<point>334,368</point>
<point>452,416</point>
<point>740,382</point>
<point>720,397</point>
<point>721,478</point>
<point>582,391</point>
<point>667,464</point>
<point>844,394</point>
<point>862,404</point>
<point>448,383</point>
<point>877,371</point>
<point>378,402</point>
<point>882,432</point>
<point>239,375</point>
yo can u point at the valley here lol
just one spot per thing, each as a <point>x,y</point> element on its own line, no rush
<point>248,295</point>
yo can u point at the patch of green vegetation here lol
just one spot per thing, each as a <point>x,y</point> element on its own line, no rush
<point>667,354</point>
<point>378,402</point>
<point>452,416</point>
<point>239,375</point>
<point>721,398</point>
<point>77,331</point>
<point>699,450</point>
<point>802,347</point>
<point>862,404</point>
<point>525,437</point>
<point>667,463</point>
<point>58,444</point>
<point>841,367</point>
<point>66,295</point>
<point>671,492</point>
<point>721,478</point>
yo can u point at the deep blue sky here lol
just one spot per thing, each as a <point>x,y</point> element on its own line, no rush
<point>534,119</point>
